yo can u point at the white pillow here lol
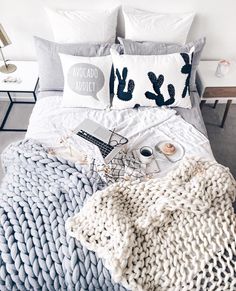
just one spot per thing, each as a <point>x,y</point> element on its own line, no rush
<point>86,81</point>
<point>150,26</point>
<point>153,80</point>
<point>71,26</point>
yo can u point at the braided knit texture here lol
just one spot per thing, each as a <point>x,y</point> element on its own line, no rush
<point>177,233</point>
<point>39,193</point>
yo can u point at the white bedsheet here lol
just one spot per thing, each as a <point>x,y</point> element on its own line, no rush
<point>145,126</point>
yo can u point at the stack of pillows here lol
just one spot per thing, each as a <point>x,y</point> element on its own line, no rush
<point>152,66</point>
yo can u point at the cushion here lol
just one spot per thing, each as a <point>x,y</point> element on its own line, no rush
<point>153,80</point>
<point>153,48</point>
<point>151,26</point>
<point>50,69</point>
<point>83,26</point>
<point>86,81</point>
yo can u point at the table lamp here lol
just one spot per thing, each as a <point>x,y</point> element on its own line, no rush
<point>5,41</point>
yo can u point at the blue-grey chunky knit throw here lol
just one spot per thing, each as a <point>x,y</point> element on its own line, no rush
<point>38,194</point>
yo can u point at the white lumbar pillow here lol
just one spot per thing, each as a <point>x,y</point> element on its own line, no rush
<point>81,26</point>
<point>150,26</point>
<point>86,81</point>
<point>153,80</point>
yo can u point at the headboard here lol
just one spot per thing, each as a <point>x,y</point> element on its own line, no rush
<point>214,19</point>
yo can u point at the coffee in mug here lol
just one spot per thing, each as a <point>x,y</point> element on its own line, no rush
<point>145,154</point>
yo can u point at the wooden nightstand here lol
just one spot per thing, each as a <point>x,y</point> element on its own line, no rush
<point>27,72</point>
<point>211,87</point>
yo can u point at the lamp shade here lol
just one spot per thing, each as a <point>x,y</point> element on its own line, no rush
<point>4,39</point>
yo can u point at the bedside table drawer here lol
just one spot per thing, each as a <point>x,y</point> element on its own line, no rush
<point>223,92</point>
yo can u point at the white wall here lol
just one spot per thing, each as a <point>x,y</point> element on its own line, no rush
<point>214,18</point>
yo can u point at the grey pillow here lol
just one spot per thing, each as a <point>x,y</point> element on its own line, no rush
<point>50,69</point>
<point>153,48</point>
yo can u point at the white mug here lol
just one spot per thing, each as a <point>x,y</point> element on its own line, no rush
<point>145,155</point>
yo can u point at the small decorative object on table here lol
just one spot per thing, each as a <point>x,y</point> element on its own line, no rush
<point>212,88</point>
<point>11,79</point>
<point>222,68</point>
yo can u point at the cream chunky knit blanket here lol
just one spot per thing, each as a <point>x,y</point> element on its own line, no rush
<point>177,233</point>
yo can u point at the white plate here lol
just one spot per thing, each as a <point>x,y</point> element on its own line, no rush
<point>178,155</point>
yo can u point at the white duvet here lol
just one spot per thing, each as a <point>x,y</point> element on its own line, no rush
<point>144,126</point>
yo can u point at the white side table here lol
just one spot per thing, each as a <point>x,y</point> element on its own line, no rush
<point>212,87</point>
<point>27,72</point>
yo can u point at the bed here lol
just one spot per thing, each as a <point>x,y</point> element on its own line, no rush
<point>66,223</point>
<point>45,191</point>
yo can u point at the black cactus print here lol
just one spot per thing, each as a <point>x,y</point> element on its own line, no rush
<point>186,69</point>
<point>158,97</point>
<point>125,96</point>
<point>112,80</point>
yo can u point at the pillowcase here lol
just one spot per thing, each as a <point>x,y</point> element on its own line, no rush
<point>86,81</point>
<point>154,80</point>
<point>83,26</point>
<point>150,26</point>
<point>152,48</point>
<point>50,69</point>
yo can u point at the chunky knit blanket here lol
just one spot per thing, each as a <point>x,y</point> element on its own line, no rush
<point>39,193</point>
<point>178,233</point>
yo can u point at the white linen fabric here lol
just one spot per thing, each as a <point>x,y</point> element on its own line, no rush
<point>86,81</point>
<point>143,25</point>
<point>152,80</point>
<point>143,127</point>
<point>81,26</point>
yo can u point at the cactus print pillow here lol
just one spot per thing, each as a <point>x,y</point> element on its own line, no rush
<point>87,81</point>
<point>154,48</point>
<point>153,80</point>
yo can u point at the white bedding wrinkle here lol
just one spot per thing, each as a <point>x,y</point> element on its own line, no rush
<point>143,126</point>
